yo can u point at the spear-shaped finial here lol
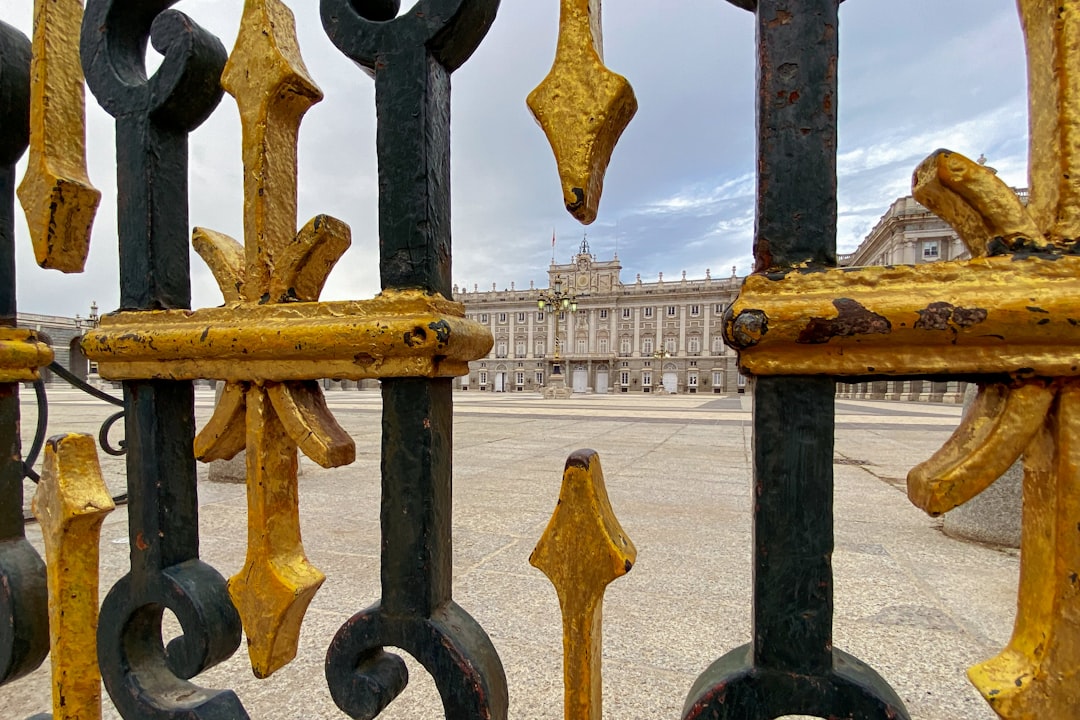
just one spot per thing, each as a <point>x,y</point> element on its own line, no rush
<point>582,550</point>
<point>71,502</point>
<point>56,194</point>
<point>583,107</point>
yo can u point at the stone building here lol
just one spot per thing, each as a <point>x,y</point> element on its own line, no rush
<point>663,336</point>
<point>63,335</point>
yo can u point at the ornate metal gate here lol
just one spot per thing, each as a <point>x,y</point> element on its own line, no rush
<point>799,325</point>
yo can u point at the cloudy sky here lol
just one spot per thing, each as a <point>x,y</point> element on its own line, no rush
<point>915,75</point>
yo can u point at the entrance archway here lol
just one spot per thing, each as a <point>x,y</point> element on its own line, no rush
<point>671,378</point>
<point>581,379</point>
<point>602,379</point>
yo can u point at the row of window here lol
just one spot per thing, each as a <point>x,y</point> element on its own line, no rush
<point>672,311</point>
<point>624,378</point>
<point>671,345</point>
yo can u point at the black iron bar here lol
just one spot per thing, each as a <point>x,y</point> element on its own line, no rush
<point>24,619</point>
<point>154,116</point>
<point>412,57</point>
<point>790,666</point>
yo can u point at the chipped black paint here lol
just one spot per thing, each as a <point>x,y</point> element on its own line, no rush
<point>790,666</point>
<point>411,57</point>
<point>852,319</point>
<point>154,116</point>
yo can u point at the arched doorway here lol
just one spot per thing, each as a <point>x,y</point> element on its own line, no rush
<point>602,379</point>
<point>581,379</point>
<point>671,378</point>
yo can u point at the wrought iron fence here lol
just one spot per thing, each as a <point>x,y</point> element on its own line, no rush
<point>799,326</point>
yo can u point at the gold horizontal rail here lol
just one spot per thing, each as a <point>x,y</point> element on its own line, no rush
<point>1003,314</point>
<point>397,334</point>
<point>21,355</point>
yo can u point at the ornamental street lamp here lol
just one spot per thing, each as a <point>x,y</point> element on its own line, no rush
<point>556,299</point>
<point>660,356</point>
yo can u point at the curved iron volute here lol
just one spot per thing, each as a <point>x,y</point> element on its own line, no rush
<point>411,58</point>
<point>153,118</point>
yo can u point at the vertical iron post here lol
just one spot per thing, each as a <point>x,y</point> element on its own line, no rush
<point>24,620</point>
<point>411,58</point>
<point>790,666</point>
<point>153,119</point>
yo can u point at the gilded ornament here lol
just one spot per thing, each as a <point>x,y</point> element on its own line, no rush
<point>56,194</point>
<point>583,549</point>
<point>583,107</point>
<point>71,502</point>
<point>22,354</point>
<point>275,267</point>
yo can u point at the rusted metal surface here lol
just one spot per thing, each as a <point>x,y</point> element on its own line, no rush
<point>582,106</point>
<point>411,58</point>
<point>59,201</point>
<point>1001,314</point>
<point>70,504</point>
<point>583,549</point>
<point>154,115</point>
<point>24,619</point>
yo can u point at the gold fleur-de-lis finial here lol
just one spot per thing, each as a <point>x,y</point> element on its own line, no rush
<point>56,194</point>
<point>1039,419</point>
<point>583,107</point>
<point>276,264</point>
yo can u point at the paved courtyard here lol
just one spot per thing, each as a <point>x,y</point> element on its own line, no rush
<point>917,605</point>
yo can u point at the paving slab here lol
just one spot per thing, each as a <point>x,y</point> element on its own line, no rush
<point>917,605</point>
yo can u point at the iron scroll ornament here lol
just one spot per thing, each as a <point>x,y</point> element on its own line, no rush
<point>411,58</point>
<point>24,621</point>
<point>154,116</point>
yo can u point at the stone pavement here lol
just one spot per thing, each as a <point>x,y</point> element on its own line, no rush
<point>917,605</point>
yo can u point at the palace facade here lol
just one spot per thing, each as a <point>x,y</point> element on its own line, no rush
<point>642,337</point>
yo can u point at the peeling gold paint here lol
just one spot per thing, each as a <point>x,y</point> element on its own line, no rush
<point>1038,674</point>
<point>271,340</point>
<point>70,503</point>
<point>292,341</point>
<point>56,194</point>
<point>583,550</point>
<point>583,107</point>
<point>990,315</point>
<point>21,355</point>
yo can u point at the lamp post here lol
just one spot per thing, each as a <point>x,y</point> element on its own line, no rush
<point>660,356</point>
<point>556,299</point>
